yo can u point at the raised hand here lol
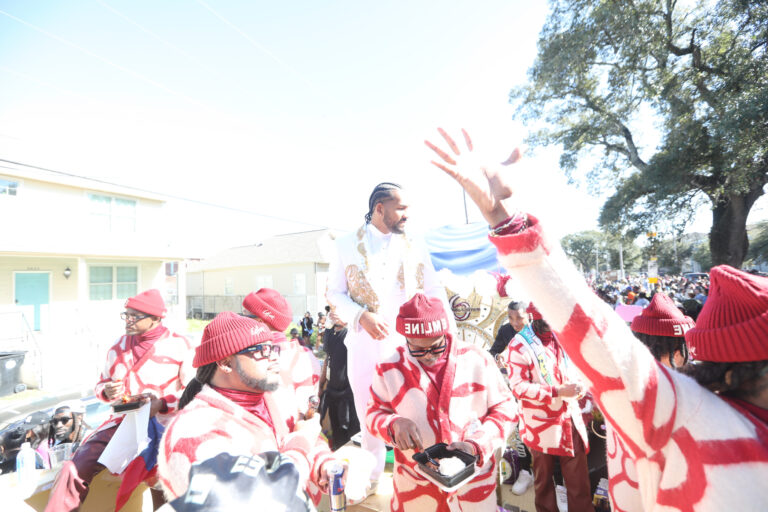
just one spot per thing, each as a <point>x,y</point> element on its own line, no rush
<point>484,184</point>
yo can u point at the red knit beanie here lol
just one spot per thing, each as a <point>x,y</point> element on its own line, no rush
<point>270,307</point>
<point>733,324</point>
<point>149,302</point>
<point>422,317</point>
<point>535,314</point>
<point>228,334</point>
<point>662,318</point>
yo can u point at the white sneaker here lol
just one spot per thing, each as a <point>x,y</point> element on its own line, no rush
<point>562,498</point>
<point>370,490</point>
<point>523,483</point>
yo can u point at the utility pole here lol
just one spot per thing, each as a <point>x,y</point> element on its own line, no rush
<point>621,260</point>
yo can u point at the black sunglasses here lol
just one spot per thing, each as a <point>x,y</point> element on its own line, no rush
<point>56,421</point>
<point>437,350</point>
<point>265,349</point>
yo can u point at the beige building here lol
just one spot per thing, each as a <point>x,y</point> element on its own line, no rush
<point>295,264</point>
<point>73,249</point>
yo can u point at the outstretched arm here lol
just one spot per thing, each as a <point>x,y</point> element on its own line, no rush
<point>636,395</point>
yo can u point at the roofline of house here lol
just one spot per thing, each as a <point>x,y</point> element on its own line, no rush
<point>34,173</point>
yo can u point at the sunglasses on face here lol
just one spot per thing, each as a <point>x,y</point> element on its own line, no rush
<point>63,421</point>
<point>133,316</point>
<point>437,349</point>
<point>265,349</point>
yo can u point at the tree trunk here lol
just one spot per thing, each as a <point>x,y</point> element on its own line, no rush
<point>728,241</point>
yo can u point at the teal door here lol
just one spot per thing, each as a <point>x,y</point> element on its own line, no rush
<point>32,289</point>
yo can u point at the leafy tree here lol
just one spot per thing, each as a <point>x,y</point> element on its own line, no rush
<point>699,70</point>
<point>581,247</point>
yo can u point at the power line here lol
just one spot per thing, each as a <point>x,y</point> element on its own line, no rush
<point>105,60</point>
<point>256,44</point>
<point>169,196</point>
<point>167,43</point>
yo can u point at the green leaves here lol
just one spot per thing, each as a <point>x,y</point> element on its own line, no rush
<point>677,93</point>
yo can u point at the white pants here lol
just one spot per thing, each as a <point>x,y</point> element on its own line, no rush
<point>363,354</point>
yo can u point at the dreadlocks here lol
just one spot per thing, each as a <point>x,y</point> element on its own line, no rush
<point>382,192</point>
<point>203,376</point>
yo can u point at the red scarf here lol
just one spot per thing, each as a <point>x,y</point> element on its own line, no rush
<point>251,401</point>
<point>140,343</point>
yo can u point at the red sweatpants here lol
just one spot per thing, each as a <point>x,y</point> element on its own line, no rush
<point>71,485</point>
<point>575,477</point>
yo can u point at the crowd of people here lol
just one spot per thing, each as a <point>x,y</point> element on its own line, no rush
<point>684,396</point>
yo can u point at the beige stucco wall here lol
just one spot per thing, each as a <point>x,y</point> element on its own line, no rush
<point>55,218</point>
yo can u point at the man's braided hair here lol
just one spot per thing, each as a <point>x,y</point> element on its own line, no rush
<point>382,192</point>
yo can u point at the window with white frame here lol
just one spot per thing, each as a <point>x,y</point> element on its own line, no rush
<point>112,214</point>
<point>229,286</point>
<point>8,186</point>
<point>107,282</point>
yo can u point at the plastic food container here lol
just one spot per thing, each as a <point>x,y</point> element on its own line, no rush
<point>440,451</point>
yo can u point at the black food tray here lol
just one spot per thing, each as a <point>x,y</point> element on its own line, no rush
<point>127,406</point>
<point>440,451</point>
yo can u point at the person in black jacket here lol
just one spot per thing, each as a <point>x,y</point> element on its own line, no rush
<point>337,399</point>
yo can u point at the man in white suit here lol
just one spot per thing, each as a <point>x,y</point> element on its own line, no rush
<point>377,269</point>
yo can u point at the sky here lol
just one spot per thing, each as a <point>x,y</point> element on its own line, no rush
<point>275,110</point>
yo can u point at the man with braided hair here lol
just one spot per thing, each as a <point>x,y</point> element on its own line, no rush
<point>375,270</point>
<point>697,444</point>
<point>231,407</point>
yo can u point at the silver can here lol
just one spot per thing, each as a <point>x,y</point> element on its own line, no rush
<point>336,489</point>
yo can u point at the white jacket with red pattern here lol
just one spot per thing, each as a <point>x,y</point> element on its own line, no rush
<point>163,370</point>
<point>299,371</point>
<point>693,451</point>
<point>472,389</point>
<point>546,418</point>
<point>211,424</point>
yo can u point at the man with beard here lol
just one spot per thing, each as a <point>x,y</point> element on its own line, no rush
<point>376,269</point>
<point>149,362</point>
<point>230,407</point>
<point>67,424</point>
<point>299,368</point>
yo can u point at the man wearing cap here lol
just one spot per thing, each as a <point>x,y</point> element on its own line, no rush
<point>437,389</point>
<point>299,370</point>
<point>548,389</point>
<point>375,270</point>
<point>149,361</point>
<point>230,407</point>
<point>694,449</point>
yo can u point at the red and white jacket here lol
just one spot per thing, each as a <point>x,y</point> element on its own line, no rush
<point>211,424</point>
<point>692,450</point>
<point>546,418</point>
<point>472,389</point>
<point>163,370</point>
<point>299,371</point>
